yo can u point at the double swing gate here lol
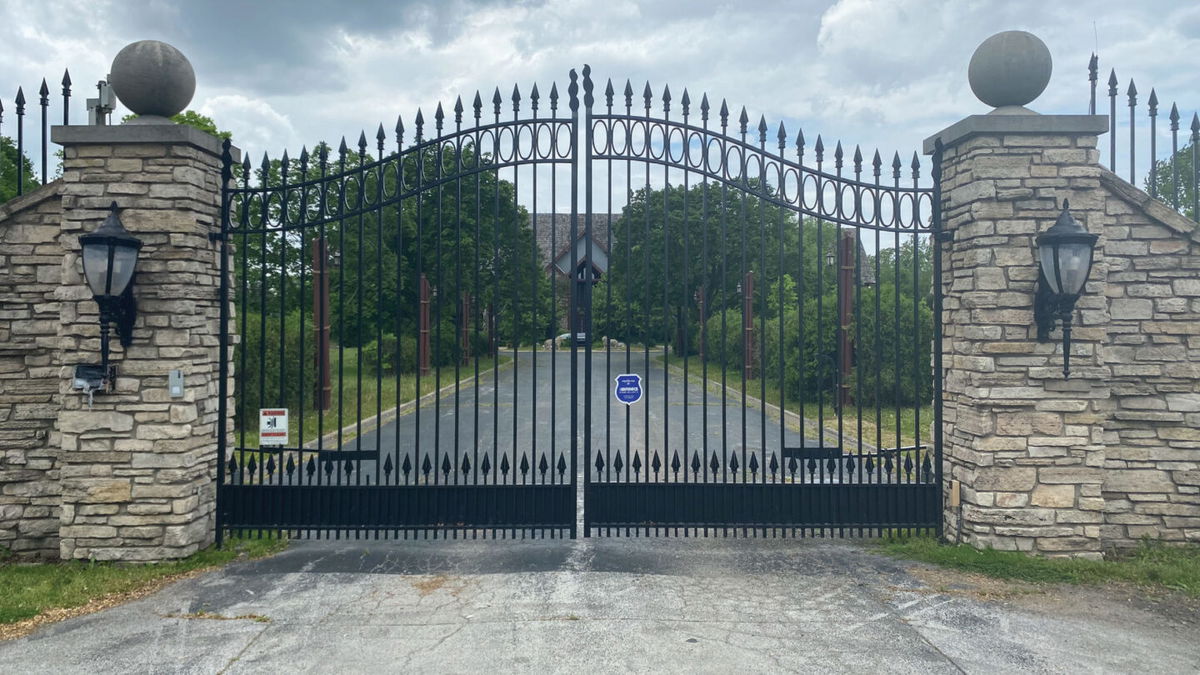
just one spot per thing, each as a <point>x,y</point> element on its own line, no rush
<point>431,328</point>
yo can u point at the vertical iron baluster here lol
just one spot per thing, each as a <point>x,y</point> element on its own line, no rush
<point>419,457</point>
<point>721,146</point>
<point>684,311</point>
<point>380,137</point>
<point>477,108</point>
<point>1195,168</point>
<point>263,224</point>
<point>322,318</point>
<point>762,306</point>
<point>66,94</point>
<point>1132,93</point>
<point>821,364</point>
<point>747,293</point>
<point>554,302</point>
<point>283,246</point>
<point>459,299</point>
<point>20,101</point>
<point>44,102</point>
<point>573,92</point>
<point>1112,120</point>
<point>781,179</point>
<point>399,159</point>
<point>1153,180</point>
<point>302,357</point>
<point>666,267</point>
<point>343,149</point>
<point>705,284</point>
<point>1174,118</point>
<point>800,289</point>
<point>935,223</point>
<point>588,100</point>
<point>500,477</point>
<point>646,331</point>
<point>608,321</point>
<point>916,337</point>
<point>627,228</point>
<point>533,290</point>
<point>439,299</point>
<point>222,330</point>
<point>244,298</point>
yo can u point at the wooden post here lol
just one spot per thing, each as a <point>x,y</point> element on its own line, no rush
<point>321,323</point>
<point>748,325</point>
<point>465,329</point>
<point>703,317</point>
<point>847,245</point>
<point>423,341</point>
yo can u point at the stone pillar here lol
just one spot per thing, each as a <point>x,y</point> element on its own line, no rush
<point>1025,445</point>
<point>138,466</point>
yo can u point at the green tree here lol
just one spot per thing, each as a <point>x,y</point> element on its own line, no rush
<point>1174,181</point>
<point>194,119</point>
<point>8,171</point>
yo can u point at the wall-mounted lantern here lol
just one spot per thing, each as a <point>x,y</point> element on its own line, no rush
<point>1065,258</point>
<point>109,257</point>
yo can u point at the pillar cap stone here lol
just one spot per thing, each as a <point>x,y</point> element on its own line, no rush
<point>164,134</point>
<point>1006,125</point>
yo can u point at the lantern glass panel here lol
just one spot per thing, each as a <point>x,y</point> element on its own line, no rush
<point>1074,261</point>
<point>96,266</point>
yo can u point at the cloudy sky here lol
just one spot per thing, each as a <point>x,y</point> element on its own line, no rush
<point>881,73</point>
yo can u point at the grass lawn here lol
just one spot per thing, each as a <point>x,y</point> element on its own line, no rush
<point>882,434</point>
<point>385,394</point>
<point>1152,565</point>
<point>32,594</point>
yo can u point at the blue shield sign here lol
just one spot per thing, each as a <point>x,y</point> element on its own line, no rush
<point>628,389</point>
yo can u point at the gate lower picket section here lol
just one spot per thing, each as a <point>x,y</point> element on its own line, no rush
<point>798,498</point>
<point>324,501</point>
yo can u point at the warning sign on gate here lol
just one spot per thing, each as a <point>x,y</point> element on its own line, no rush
<point>628,389</point>
<point>272,426</point>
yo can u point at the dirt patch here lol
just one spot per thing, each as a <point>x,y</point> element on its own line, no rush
<point>1114,602</point>
<point>429,585</point>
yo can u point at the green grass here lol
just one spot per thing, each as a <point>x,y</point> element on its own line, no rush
<point>882,434</point>
<point>385,393</point>
<point>27,590</point>
<point>1151,565</point>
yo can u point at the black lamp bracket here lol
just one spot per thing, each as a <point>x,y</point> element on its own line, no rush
<point>120,311</point>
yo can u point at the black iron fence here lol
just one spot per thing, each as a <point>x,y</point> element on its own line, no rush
<point>18,173</point>
<point>1173,178</point>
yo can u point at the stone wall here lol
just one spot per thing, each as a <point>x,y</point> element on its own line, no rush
<point>1046,464</point>
<point>31,261</point>
<point>1152,465</point>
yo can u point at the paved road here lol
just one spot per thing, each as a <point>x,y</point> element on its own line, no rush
<point>628,605</point>
<point>527,405</point>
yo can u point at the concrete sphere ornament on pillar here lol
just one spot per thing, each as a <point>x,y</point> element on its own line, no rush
<point>1009,70</point>
<point>154,80</point>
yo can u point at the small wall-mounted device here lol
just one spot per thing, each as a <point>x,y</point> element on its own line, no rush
<point>90,378</point>
<point>175,383</point>
<point>100,108</point>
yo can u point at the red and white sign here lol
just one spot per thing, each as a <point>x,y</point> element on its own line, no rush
<point>272,426</point>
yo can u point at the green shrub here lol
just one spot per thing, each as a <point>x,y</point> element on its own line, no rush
<point>266,377</point>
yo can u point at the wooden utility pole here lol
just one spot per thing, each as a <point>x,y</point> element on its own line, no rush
<point>423,360</point>
<point>846,247</point>
<point>748,325</point>
<point>321,323</point>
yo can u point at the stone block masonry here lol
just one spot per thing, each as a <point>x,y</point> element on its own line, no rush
<point>132,477</point>
<point>30,275</point>
<point>1054,466</point>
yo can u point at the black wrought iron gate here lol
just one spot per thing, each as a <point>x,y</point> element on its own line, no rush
<point>400,369</point>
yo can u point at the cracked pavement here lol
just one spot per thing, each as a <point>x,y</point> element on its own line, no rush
<point>603,605</point>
